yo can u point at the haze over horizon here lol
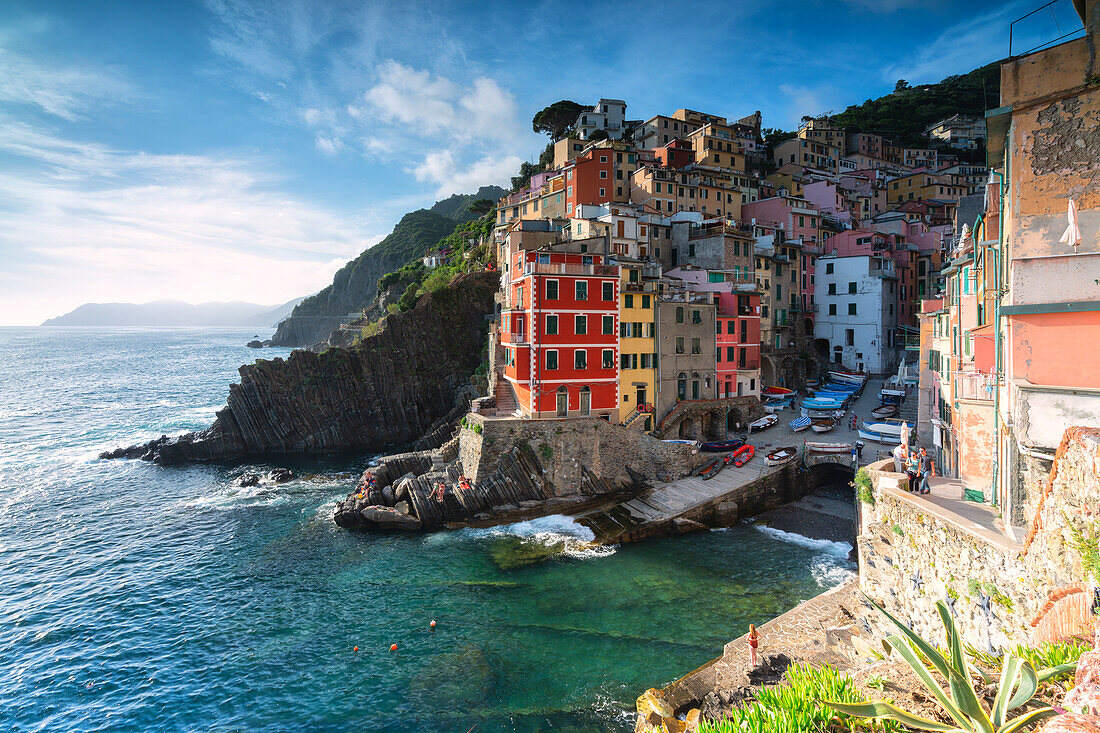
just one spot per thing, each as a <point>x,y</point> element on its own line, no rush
<point>231,150</point>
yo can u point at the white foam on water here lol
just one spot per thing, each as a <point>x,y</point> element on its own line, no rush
<point>550,530</point>
<point>829,573</point>
<point>237,498</point>
<point>839,550</point>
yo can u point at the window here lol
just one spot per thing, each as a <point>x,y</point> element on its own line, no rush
<point>696,317</point>
<point>851,309</point>
<point>650,330</point>
<point>832,288</point>
<point>582,290</point>
<point>551,289</point>
<point>681,386</point>
<point>603,174</point>
<point>679,314</point>
<point>718,324</point>
<point>551,359</point>
<point>580,359</point>
<point>832,309</point>
<point>581,325</point>
<point>647,361</point>
<point>628,301</point>
<point>679,344</point>
<point>851,288</point>
<point>730,353</point>
<point>695,347</point>
<point>691,250</point>
<point>608,325</point>
<point>850,336</point>
<point>609,358</point>
<point>609,291</point>
<point>645,301</point>
<point>829,268</point>
<point>551,325</point>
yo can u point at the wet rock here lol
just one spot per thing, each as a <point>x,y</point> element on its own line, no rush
<point>683,526</point>
<point>380,517</point>
<point>387,496</point>
<point>726,513</point>
<point>255,344</point>
<point>280,475</point>
<point>247,479</point>
<point>508,553</point>
<point>402,507</point>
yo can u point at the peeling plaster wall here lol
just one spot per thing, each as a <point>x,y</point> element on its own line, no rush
<point>975,427</point>
<point>1041,415</point>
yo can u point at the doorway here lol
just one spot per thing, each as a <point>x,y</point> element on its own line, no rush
<point>586,400</point>
<point>563,402</point>
<point>639,397</point>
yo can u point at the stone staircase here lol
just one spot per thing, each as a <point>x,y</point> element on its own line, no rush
<point>505,395</point>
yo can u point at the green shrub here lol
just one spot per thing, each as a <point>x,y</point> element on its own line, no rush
<point>864,487</point>
<point>798,704</point>
<point>546,451</point>
<point>1086,541</point>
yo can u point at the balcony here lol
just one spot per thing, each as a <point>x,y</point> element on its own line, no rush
<point>748,365</point>
<point>975,386</point>
<point>561,268</point>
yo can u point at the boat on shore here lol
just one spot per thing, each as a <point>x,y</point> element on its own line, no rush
<point>848,377</point>
<point>887,432</point>
<point>742,455</point>
<point>818,414</point>
<point>721,446</point>
<point>884,411</point>
<point>778,406</point>
<point>824,425</point>
<point>829,447</point>
<point>781,456</point>
<point>800,424</point>
<point>713,468</point>
<point>763,423</point>
<point>776,392</point>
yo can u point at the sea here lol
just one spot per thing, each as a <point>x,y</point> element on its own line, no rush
<point>137,597</point>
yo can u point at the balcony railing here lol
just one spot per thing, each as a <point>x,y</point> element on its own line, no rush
<point>747,365</point>
<point>975,386</point>
<point>562,268</point>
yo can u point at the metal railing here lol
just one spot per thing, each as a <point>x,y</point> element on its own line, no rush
<point>975,386</point>
<point>562,268</point>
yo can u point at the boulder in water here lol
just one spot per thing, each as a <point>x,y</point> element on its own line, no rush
<point>387,496</point>
<point>511,552</point>
<point>381,517</point>
<point>255,344</point>
<point>280,475</point>
<point>248,479</point>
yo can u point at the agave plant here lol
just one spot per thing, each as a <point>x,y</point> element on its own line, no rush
<point>1017,685</point>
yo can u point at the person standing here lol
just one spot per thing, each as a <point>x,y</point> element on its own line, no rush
<point>927,469</point>
<point>912,470</point>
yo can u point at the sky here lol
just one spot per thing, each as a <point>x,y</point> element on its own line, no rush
<point>243,150</point>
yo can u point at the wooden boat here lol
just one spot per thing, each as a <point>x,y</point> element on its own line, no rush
<point>884,411</point>
<point>763,423</point>
<point>892,395</point>
<point>848,377</point>
<point>711,470</point>
<point>800,424</point>
<point>721,446</point>
<point>777,406</point>
<point>742,455</point>
<point>812,383</point>
<point>818,413</point>
<point>816,404</point>
<point>829,447</point>
<point>776,391</point>
<point>781,456</point>
<point>680,441</point>
<point>823,426</point>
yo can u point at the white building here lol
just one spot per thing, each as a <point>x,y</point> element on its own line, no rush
<point>856,311</point>
<point>959,131</point>
<point>608,115</point>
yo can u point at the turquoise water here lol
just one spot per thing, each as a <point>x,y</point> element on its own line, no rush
<point>135,597</point>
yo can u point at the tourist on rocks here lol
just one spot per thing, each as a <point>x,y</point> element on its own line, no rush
<point>927,468</point>
<point>438,491</point>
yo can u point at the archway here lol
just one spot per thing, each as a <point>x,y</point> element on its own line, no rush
<point>789,372</point>
<point>687,429</point>
<point>809,327</point>
<point>715,426</point>
<point>733,420</point>
<point>821,348</point>
<point>767,371</point>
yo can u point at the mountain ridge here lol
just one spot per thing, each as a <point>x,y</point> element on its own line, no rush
<point>173,313</point>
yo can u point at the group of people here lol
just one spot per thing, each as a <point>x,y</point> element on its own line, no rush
<point>917,465</point>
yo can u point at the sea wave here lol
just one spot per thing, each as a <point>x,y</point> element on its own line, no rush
<point>839,550</point>
<point>575,538</point>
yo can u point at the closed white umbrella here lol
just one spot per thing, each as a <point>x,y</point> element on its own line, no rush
<point>1072,235</point>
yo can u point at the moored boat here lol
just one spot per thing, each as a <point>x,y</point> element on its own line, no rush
<point>776,391</point>
<point>824,425</point>
<point>720,446</point>
<point>777,406</point>
<point>781,456</point>
<point>763,423</point>
<point>884,431</point>
<point>800,424</point>
<point>711,470</point>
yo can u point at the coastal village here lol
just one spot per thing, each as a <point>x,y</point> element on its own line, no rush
<point>689,321</point>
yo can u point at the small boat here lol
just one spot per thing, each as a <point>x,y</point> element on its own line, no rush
<point>711,470</point>
<point>822,413</point>
<point>823,426</point>
<point>829,447</point>
<point>763,423</point>
<point>742,455</point>
<point>892,395</point>
<point>776,391</point>
<point>780,457</point>
<point>884,411</point>
<point>885,431</point>
<point>681,442</point>
<point>721,446</point>
<point>812,383</point>
<point>814,404</point>
<point>848,377</point>
<point>800,424</point>
<point>777,406</point>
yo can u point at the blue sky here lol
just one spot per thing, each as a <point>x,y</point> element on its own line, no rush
<point>231,149</point>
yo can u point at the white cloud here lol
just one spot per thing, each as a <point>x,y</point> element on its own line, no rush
<point>85,222</point>
<point>442,170</point>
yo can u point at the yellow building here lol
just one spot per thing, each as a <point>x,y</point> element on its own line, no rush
<point>922,186</point>
<point>637,341</point>
<point>714,145</point>
<point>823,131</point>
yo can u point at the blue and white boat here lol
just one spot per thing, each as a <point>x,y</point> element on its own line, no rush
<point>887,432</point>
<point>814,403</point>
<point>800,424</point>
<point>778,406</point>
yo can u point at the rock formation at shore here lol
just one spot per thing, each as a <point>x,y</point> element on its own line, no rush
<point>389,390</point>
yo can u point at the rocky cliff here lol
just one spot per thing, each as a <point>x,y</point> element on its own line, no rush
<point>389,390</point>
<point>354,286</point>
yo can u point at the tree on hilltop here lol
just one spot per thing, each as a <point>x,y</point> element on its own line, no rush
<point>481,207</point>
<point>556,119</point>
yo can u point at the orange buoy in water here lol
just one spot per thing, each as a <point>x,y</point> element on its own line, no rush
<point>355,649</point>
<point>432,624</point>
<point>393,647</point>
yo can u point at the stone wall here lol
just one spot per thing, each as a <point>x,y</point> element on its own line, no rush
<point>1002,591</point>
<point>568,446</point>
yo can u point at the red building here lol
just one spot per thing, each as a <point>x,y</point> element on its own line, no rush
<point>589,179</point>
<point>560,334</point>
<point>738,341</point>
